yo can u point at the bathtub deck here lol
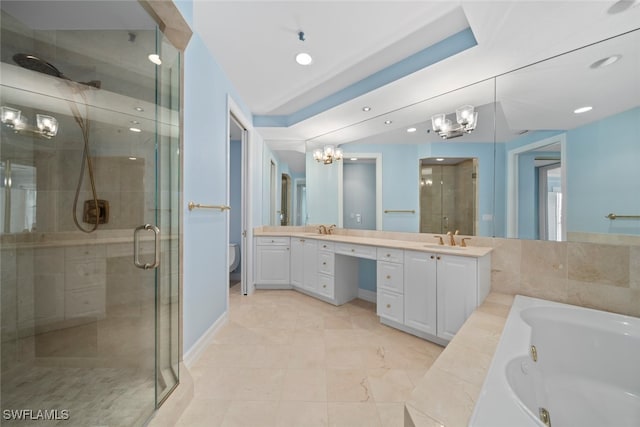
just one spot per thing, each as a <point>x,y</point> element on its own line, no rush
<point>446,395</point>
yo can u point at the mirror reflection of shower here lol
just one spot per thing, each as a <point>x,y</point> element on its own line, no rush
<point>448,195</point>
<point>95,211</point>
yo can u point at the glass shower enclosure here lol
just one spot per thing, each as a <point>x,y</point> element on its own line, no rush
<point>89,213</point>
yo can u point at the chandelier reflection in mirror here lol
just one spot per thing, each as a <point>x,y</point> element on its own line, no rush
<point>328,155</point>
<point>46,126</point>
<point>466,120</point>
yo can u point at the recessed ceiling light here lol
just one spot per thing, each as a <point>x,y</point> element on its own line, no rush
<point>583,109</point>
<point>601,63</point>
<point>155,58</point>
<point>387,122</point>
<point>439,159</point>
<point>139,109</point>
<point>133,158</point>
<point>411,130</point>
<point>354,158</point>
<point>135,130</point>
<point>621,6</point>
<point>304,58</point>
<point>366,108</point>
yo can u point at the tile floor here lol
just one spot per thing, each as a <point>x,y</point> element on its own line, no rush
<point>286,359</point>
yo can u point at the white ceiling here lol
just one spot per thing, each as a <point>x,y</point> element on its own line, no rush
<point>256,41</point>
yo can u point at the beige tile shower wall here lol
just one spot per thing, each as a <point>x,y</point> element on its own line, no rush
<point>595,275</point>
<point>118,179</point>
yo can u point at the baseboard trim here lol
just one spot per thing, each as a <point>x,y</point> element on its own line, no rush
<point>192,355</point>
<point>366,295</point>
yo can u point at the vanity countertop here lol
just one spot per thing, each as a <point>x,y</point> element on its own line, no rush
<point>446,395</point>
<point>424,246</point>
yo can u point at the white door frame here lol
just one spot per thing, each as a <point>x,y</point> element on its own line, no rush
<point>378,158</point>
<point>512,181</point>
<point>246,249</point>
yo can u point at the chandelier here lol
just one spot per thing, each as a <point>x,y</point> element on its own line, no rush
<point>466,120</point>
<point>46,126</point>
<point>327,155</point>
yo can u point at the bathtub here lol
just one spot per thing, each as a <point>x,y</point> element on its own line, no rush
<point>586,373</point>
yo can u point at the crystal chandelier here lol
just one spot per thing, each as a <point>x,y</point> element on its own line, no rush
<point>466,120</point>
<point>328,155</point>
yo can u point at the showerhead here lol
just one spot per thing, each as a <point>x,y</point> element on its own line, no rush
<point>34,63</point>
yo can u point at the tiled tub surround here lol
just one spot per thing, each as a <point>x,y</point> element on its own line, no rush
<point>446,395</point>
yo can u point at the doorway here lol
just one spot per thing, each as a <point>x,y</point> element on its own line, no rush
<point>239,157</point>
<point>360,191</point>
<point>285,200</point>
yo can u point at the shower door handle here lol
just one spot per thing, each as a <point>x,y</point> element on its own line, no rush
<point>136,246</point>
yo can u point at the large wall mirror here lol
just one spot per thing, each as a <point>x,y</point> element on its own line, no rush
<point>575,160</point>
<point>541,168</point>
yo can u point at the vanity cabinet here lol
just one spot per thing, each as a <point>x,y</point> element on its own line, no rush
<point>390,284</point>
<point>457,292</point>
<point>304,254</point>
<point>420,294</point>
<point>326,270</point>
<point>272,263</point>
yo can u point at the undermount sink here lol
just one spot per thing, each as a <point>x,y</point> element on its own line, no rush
<point>449,248</point>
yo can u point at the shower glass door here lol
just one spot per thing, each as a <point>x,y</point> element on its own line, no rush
<point>88,153</point>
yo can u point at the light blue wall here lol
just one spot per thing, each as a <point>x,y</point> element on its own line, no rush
<point>603,174</point>
<point>322,192</point>
<point>205,271</point>
<point>359,194</point>
<point>367,275</point>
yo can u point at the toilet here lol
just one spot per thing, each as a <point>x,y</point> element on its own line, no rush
<point>234,256</point>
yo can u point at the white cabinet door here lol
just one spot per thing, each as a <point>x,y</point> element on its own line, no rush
<point>420,295</point>
<point>310,266</point>
<point>272,265</point>
<point>297,262</point>
<point>457,289</point>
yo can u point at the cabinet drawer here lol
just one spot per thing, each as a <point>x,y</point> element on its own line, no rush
<point>390,276</point>
<point>325,285</point>
<point>325,263</point>
<point>278,241</point>
<point>326,246</point>
<point>391,255</point>
<point>390,305</point>
<point>85,302</point>
<point>360,251</point>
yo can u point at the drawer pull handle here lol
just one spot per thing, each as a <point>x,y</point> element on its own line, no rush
<point>388,305</point>
<point>438,257</point>
<point>388,255</point>
<point>388,277</point>
<point>324,286</point>
<point>324,246</point>
<point>432,257</point>
<point>353,250</point>
<point>324,263</point>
